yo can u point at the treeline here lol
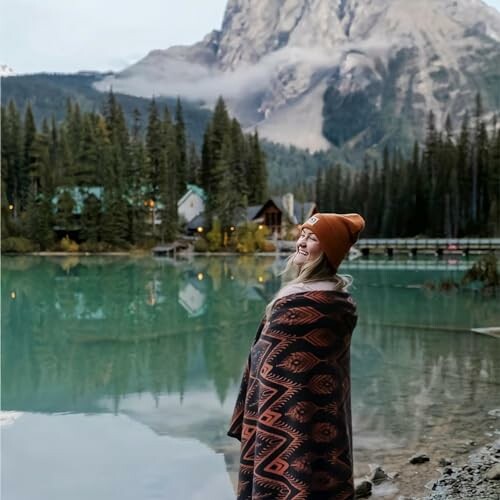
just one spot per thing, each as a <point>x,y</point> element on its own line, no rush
<point>450,187</point>
<point>137,170</point>
<point>48,94</point>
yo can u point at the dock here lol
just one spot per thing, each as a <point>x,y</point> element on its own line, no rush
<point>170,249</point>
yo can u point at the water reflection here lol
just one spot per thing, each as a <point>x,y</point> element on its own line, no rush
<point>164,342</point>
<point>75,330</point>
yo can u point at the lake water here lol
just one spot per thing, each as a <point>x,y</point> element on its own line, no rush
<point>119,375</point>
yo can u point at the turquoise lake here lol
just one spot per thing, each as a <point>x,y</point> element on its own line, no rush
<point>119,375</point>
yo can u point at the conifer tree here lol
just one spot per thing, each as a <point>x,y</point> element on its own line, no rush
<point>137,176</point>
<point>26,168</point>
<point>64,211</point>
<point>194,165</point>
<point>256,171</point>
<point>168,185</point>
<point>84,173</point>
<point>91,219</point>
<point>154,149</point>
<point>12,155</point>
<point>181,148</point>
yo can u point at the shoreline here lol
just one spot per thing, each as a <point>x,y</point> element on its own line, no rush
<point>141,253</point>
<point>149,253</point>
<point>438,478</point>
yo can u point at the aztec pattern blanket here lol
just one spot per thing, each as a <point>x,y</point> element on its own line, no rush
<point>293,411</point>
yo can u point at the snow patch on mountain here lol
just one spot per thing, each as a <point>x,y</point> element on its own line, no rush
<point>6,70</point>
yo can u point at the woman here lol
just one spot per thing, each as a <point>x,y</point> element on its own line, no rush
<point>293,412</point>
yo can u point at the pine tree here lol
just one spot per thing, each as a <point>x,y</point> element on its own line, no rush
<point>27,159</point>
<point>84,173</point>
<point>136,176</point>
<point>180,142</point>
<point>194,165</point>
<point>237,172</point>
<point>256,171</point>
<point>119,141</point>
<point>168,185</point>
<point>464,176</point>
<point>154,149</point>
<point>74,127</point>
<point>12,155</point>
<point>91,219</point>
<point>206,158</point>
<point>64,211</point>
<point>114,228</point>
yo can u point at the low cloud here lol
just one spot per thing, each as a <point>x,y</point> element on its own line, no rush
<point>161,74</point>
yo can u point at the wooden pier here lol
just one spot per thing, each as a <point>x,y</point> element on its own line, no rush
<point>170,249</point>
<point>436,246</point>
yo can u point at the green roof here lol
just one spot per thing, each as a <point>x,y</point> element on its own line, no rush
<point>198,190</point>
<point>79,194</point>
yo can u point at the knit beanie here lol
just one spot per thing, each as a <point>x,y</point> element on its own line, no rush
<point>336,233</point>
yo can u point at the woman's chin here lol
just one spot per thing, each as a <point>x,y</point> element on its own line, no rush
<point>298,260</point>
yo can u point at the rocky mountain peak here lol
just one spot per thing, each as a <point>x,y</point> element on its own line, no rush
<point>320,63</point>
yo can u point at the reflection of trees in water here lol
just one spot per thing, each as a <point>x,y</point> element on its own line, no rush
<point>408,384</point>
<point>393,297</point>
<point>75,333</point>
<point>81,329</point>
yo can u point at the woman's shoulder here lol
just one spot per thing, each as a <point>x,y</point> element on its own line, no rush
<point>326,294</point>
<point>304,287</point>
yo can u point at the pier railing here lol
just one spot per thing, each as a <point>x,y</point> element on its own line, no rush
<point>438,246</point>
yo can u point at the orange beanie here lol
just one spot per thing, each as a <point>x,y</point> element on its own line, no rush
<point>336,233</point>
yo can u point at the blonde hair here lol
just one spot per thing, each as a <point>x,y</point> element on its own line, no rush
<point>318,269</point>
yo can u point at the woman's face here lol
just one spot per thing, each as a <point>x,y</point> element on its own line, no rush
<point>308,247</point>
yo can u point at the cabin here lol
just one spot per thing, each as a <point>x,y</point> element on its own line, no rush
<point>281,214</point>
<point>78,196</point>
<point>192,203</point>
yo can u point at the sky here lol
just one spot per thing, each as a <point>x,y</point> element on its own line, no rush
<point>69,36</point>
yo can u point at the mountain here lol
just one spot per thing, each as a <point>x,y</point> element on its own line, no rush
<point>349,73</point>
<point>49,92</point>
<point>48,95</point>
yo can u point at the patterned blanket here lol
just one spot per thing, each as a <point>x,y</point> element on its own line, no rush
<point>293,411</point>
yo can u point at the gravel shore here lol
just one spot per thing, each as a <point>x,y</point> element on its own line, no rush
<point>478,479</point>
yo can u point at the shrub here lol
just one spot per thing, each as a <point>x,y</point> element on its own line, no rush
<point>94,247</point>
<point>484,271</point>
<point>266,246</point>
<point>68,245</point>
<point>18,245</point>
<point>214,237</point>
<point>245,238</point>
<point>200,245</point>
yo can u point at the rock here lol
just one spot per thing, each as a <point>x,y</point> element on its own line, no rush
<point>379,476</point>
<point>419,459</point>
<point>443,462</point>
<point>363,490</point>
<point>493,473</point>
<point>287,53</point>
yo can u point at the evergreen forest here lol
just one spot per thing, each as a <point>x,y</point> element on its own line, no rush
<point>449,187</point>
<point>130,171</point>
<point>129,176</point>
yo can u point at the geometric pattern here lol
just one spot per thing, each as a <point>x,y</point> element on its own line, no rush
<point>293,411</point>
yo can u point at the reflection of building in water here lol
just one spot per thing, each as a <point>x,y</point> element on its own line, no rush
<point>155,295</point>
<point>192,300</point>
<point>72,305</point>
